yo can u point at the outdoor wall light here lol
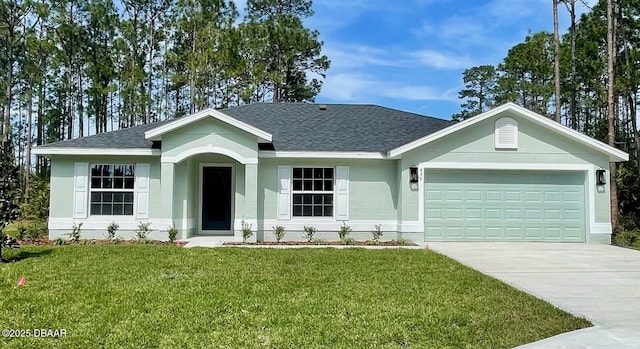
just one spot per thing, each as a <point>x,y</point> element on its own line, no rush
<point>601,179</point>
<point>413,174</point>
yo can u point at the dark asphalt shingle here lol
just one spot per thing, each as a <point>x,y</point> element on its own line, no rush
<point>302,127</point>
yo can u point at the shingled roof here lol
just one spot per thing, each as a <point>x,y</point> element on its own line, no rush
<point>301,127</point>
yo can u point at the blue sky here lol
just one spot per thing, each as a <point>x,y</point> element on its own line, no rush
<point>410,54</point>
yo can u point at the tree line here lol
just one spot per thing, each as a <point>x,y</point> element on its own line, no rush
<point>579,98</point>
<point>71,68</point>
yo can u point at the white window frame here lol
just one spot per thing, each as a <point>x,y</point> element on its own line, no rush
<point>311,192</point>
<point>113,190</point>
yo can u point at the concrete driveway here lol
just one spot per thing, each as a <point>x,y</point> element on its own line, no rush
<point>599,282</point>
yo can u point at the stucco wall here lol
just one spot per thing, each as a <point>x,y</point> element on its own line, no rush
<point>536,145</point>
<point>373,195</point>
<point>94,227</point>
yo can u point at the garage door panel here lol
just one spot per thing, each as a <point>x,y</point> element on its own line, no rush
<point>493,196</point>
<point>494,233</point>
<point>473,196</point>
<point>504,206</point>
<point>474,214</point>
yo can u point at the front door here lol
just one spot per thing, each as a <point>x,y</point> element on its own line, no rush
<point>216,198</point>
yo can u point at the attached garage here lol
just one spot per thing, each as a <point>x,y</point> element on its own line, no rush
<point>488,205</point>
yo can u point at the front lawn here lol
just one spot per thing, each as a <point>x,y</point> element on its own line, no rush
<point>169,297</point>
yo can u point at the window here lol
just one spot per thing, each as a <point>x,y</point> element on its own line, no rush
<point>312,192</point>
<point>112,188</point>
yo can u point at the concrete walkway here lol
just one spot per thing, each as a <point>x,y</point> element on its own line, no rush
<point>599,282</point>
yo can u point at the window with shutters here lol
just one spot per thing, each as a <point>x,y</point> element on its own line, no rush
<point>112,189</point>
<point>313,191</point>
<point>506,134</point>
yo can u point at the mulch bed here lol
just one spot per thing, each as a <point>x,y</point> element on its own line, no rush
<point>331,243</point>
<point>47,242</point>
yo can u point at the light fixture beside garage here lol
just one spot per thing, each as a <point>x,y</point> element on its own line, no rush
<point>413,174</point>
<point>601,179</point>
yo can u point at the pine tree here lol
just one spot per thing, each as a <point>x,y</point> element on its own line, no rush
<point>9,189</point>
<point>284,49</point>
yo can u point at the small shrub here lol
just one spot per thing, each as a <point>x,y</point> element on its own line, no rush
<point>279,232</point>
<point>246,230</point>
<point>404,242</point>
<point>87,242</point>
<point>319,241</point>
<point>376,233</point>
<point>59,242</point>
<point>309,232</point>
<point>36,199</point>
<point>143,231</point>
<point>344,231</point>
<point>112,229</point>
<point>21,232</point>
<point>173,232</point>
<point>630,238</point>
<point>76,230</point>
<point>348,241</point>
<point>36,231</point>
<point>117,240</point>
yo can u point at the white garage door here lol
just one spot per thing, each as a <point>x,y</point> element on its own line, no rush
<point>510,206</point>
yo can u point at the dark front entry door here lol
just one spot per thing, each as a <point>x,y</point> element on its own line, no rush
<point>216,198</point>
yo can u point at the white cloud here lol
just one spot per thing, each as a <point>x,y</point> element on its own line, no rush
<point>364,88</point>
<point>442,59</point>
<point>345,56</point>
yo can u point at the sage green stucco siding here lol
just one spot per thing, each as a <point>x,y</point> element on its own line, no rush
<point>209,132</point>
<point>94,227</point>
<point>465,162</point>
<point>373,191</point>
<point>536,145</point>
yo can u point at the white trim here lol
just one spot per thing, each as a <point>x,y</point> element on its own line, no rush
<point>297,225</point>
<point>95,151</point>
<point>502,166</point>
<point>341,193</point>
<point>269,154</point>
<point>156,133</point>
<point>601,229</point>
<point>614,154</point>
<point>141,194</point>
<point>284,207</point>
<point>81,173</point>
<point>411,227</point>
<point>209,148</point>
<point>587,169</point>
<point>126,223</point>
<point>199,229</point>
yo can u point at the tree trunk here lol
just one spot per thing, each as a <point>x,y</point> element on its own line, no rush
<point>28,151</point>
<point>6,122</point>
<point>556,64</point>
<point>611,113</point>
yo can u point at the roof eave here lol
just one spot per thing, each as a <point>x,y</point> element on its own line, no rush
<point>322,155</point>
<point>95,151</point>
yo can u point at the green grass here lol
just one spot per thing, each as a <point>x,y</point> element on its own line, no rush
<point>170,297</point>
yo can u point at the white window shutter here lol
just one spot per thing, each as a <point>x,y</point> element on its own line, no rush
<point>81,189</point>
<point>342,193</point>
<point>284,193</point>
<point>506,134</point>
<point>142,191</point>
